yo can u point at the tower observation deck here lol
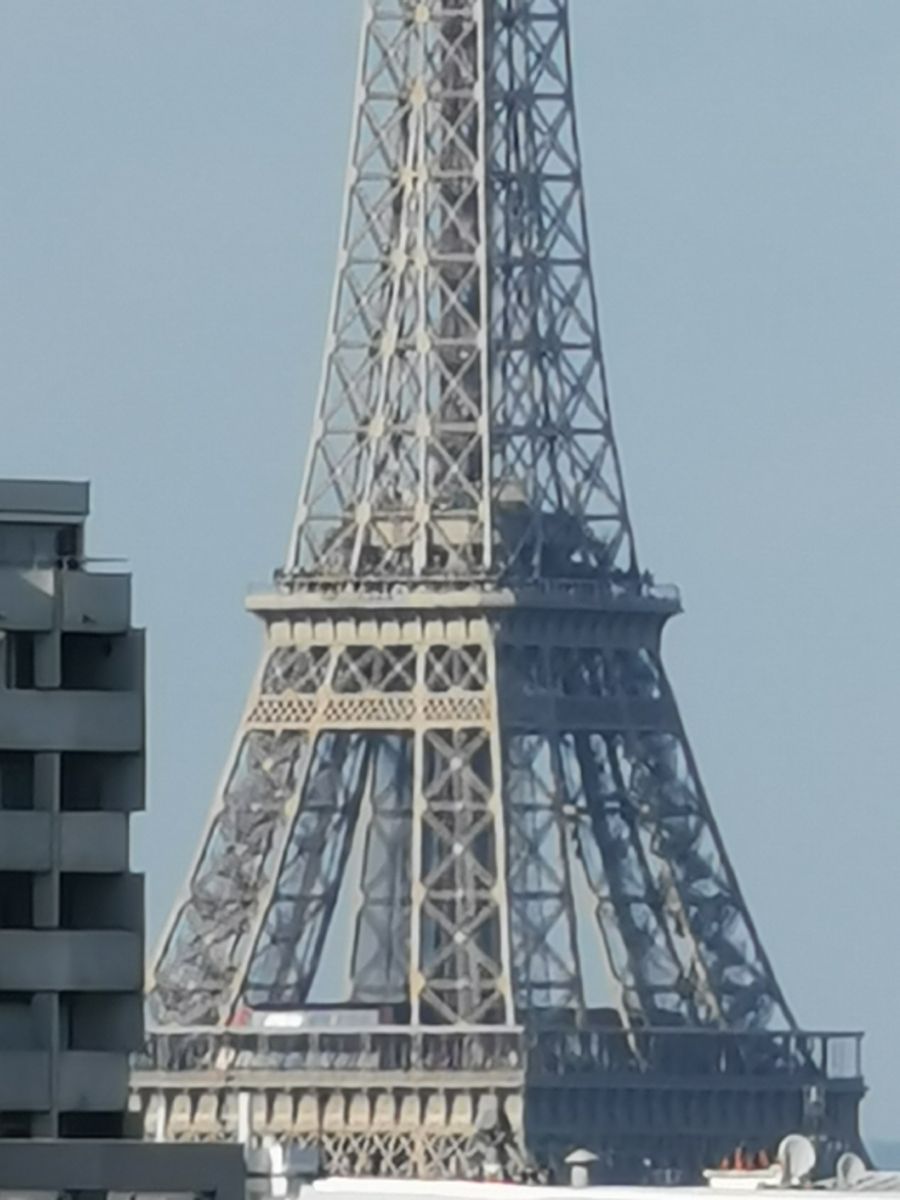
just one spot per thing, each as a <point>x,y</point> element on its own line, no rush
<point>461,894</point>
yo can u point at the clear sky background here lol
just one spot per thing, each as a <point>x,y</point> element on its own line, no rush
<point>170,182</point>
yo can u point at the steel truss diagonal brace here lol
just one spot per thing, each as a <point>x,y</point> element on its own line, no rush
<point>463,426</point>
<point>461,780</point>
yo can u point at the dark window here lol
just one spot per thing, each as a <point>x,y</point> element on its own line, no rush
<point>27,545</point>
<point>101,782</point>
<point>16,900</point>
<point>16,1021</point>
<point>90,900</point>
<point>16,780</point>
<point>91,1125</point>
<point>15,1125</point>
<point>67,545</point>
<point>79,783</point>
<point>85,659</point>
<point>84,900</point>
<point>96,662</point>
<point>17,651</point>
<point>111,1022</point>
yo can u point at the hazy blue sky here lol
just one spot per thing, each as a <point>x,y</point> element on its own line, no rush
<point>170,180</point>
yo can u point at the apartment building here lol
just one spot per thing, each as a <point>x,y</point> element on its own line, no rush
<point>71,775</point>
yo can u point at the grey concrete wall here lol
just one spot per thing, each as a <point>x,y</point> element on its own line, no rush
<point>109,722</point>
<point>59,960</point>
<point>118,1166</point>
<point>88,841</point>
<point>38,599</point>
<point>95,603</point>
<point>26,599</point>
<point>51,498</point>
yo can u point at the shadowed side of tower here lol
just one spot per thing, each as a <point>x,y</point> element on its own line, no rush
<point>461,892</point>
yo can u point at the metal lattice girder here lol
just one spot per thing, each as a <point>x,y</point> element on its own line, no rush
<point>463,426</point>
<point>487,785</point>
<point>208,944</point>
<point>461,779</point>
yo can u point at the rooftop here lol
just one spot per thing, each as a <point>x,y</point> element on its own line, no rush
<point>39,500</point>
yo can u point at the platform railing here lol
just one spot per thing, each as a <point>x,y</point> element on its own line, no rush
<point>642,594</point>
<point>381,1049</point>
<point>802,1057</point>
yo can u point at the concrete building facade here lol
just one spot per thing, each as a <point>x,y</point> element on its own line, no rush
<point>71,775</point>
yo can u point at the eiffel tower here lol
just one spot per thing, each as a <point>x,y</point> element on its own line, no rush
<point>461,899</point>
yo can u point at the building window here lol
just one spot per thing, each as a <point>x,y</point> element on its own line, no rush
<point>68,548</point>
<point>16,780</point>
<point>17,1026</point>
<point>16,900</point>
<point>15,1124</point>
<point>27,545</point>
<point>101,782</point>
<point>82,782</point>
<point>91,1125</point>
<point>87,901</point>
<point>97,662</point>
<point>17,659</point>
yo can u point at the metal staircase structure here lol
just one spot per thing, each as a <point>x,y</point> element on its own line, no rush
<point>461,895</point>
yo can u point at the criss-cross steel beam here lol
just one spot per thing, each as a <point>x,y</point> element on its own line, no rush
<point>463,425</point>
<point>463,437</point>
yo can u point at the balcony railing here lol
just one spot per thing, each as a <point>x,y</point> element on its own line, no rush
<point>381,1049</point>
<point>549,1053</point>
<point>697,1053</point>
<point>315,592</point>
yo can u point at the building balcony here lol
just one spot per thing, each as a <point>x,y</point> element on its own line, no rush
<point>98,722</point>
<point>60,960</point>
<point>86,1081</point>
<point>26,599</point>
<point>95,842</point>
<point>95,603</point>
<point>88,603</point>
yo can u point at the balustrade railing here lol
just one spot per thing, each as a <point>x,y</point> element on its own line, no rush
<point>697,1053</point>
<point>685,1053</point>
<point>615,592</point>
<point>382,1049</point>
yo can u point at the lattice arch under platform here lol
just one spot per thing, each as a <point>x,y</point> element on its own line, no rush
<point>439,827</point>
<point>515,793</point>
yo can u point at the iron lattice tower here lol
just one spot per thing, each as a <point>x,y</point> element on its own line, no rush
<point>461,888</point>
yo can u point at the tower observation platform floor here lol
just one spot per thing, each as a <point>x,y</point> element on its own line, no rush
<point>429,1100</point>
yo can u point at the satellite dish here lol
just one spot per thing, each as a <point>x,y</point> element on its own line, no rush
<point>850,1171</point>
<point>797,1157</point>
